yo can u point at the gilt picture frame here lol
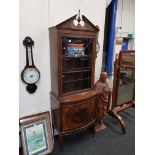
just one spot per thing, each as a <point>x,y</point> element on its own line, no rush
<point>36,134</point>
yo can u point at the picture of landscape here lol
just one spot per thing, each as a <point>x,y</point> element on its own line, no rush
<point>35,139</point>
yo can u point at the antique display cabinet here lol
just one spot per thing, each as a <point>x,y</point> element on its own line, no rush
<point>73,54</point>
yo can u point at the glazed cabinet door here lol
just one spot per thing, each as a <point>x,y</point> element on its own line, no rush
<point>76,63</point>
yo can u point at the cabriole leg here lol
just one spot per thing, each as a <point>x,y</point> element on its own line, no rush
<point>119,119</point>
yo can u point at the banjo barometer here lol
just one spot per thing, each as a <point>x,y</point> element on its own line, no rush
<point>30,74</point>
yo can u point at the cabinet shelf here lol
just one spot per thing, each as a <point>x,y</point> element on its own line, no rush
<point>75,70</point>
<point>77,80</point>
<point>76,57</point>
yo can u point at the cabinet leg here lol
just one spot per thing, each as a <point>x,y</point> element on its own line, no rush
<point>61,143</point>
<point>120,120</point>
<point>53,128</point>
<point>93,130</point>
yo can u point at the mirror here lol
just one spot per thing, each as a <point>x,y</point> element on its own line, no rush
<point>126,85</point>
<point>123,94</point>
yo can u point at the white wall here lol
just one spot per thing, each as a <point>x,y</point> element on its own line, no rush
<point>35,18</point>
<point>125,18</point>
<point>34,23</point>
<point>126,15</point>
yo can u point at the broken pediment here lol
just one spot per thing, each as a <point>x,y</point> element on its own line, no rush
<point>68,24</point>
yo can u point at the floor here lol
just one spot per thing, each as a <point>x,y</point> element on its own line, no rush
<point>107,142</point>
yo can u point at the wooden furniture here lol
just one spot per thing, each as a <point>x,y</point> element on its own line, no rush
<point>123,96</point>
<point>72,54</point>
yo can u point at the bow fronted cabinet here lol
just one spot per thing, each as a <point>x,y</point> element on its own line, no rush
<point>73,94</point>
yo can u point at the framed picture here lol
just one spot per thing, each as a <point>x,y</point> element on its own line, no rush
<point>36,134</point>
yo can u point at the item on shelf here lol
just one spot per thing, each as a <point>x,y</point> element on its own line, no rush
<point>73,97</point>
<point>36,134</point>
<point>75,49</point>
<point>123,96</point>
